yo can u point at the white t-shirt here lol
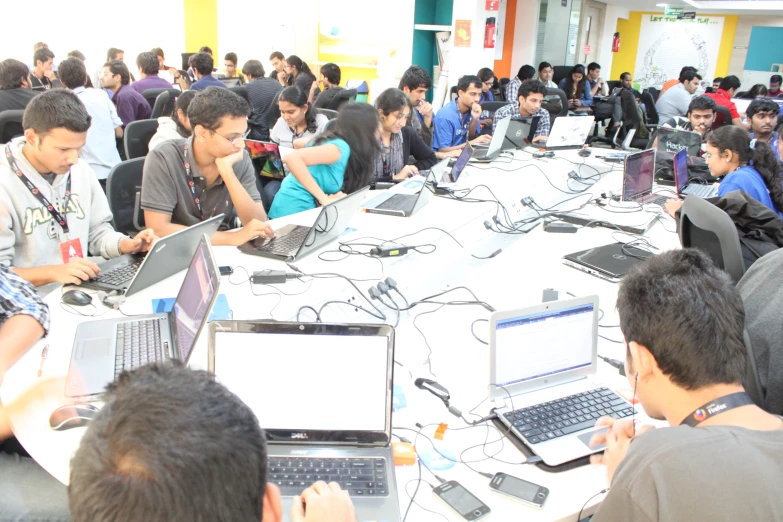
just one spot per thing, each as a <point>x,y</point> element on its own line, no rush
<point>282,135</point>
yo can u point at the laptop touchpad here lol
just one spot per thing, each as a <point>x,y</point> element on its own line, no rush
<point>587,436</point>
<point>93,348</point>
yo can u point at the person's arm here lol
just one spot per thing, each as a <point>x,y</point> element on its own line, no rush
<point>298,161</point>
<point>161,223</point>
<point>425,157</point>
<point>542,130</point>
<point>26,317</point>
<point>247,205</point>
<point>473,128</point>
<point>595,88</point>
<point>115,118</point>
<point>425,109</point>
<point>587,98</point>
<point>159,194</point>
<point>442,136</point>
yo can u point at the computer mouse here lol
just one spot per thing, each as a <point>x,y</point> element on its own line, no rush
<point>76,298</point>
<point>72,416</point>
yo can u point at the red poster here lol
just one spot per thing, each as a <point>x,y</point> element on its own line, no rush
<point>462,33</point>
<point>492,5</point>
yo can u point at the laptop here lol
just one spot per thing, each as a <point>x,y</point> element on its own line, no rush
<point>231,82</point>
<point>610,262</point>
<point>270,154</point>
<point>495,146</point>
<point>672,140</point>
<point>295,241</point>
<point>521,132</point>
<point>132,273</point>
<point>394,203</point>
<point>681,179</point>
<point>542,363</point>
<point>449,179</point>
<point>324,420</point>
<point>638,172</point>
<point>105,348</point>
<point>569,132</point>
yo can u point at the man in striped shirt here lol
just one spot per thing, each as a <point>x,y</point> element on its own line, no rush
<point>529,97</point>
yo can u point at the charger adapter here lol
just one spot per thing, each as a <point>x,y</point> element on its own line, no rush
<point>562,228</point>
<point>389,251</point>
<point>268,277</point>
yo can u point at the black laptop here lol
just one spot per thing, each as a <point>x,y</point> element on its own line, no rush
<point>610,262</point>
<point>520,132</point>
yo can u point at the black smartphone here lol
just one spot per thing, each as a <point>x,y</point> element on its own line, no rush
<point>226,270</point>
<point>465,503</point>
<point>526,492</point>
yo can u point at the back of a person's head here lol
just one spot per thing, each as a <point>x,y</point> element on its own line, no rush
<point>203,63</point>
<point>214,103</point>
<point>12,72</point>
<point>298,64</point>
<point>206,49</point>
<point>42,55</point>
<point>39,45</point>
<point>118,67</point>
<point>183,101</point>
<point>112,53</point>
<point>56,109</point>
<point>253,68</point>
<point>702,103</point>
<point>761,105</point>
<point>148,63</point>
<point>332,72</point>
<point>169,444</point>
<point>730,82</point>
<point>467,81</point>
<point>531,86</point>
<point>77,54</point>
<point>526,72</point>
<point>72,73</point>
<point>415,77</point>
<point>157,51</point>
<point>688,314</point>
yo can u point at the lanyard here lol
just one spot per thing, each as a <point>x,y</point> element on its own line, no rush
<point>37,193</point>
<point>192,185</point>
<point>716,407</point>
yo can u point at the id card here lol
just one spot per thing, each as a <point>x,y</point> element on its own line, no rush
<point>71,250</point>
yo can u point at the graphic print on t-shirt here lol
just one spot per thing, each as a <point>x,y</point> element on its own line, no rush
<point>38,215</point>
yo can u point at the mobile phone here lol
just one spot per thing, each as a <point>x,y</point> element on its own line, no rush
<point>465,503</point>
<point>526,492</point>
<point>226,270</point>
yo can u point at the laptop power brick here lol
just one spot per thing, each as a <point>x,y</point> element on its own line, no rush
<point>268,277</point>
<point>561,228</point>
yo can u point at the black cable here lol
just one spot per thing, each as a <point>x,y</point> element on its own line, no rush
<point>579,516</point>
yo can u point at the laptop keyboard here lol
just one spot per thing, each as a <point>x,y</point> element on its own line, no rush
<point>119,275</point>
<point>138,343</point>
<point>287,243</point>
<point>360,477</point>
<point>396,202</point>
<point>561,417</point>
<point>702,191</point>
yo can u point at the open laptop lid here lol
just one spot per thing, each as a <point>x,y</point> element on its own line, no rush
<point>542,346</point>
<point>194,302</point>
<point>520,132</point>
<point>501,128</point>
<point>332,221</point>
<point>294,377</point>
<point>672,140</point>
<point>178,249</point>
<point>273,164</point>
<point>681,170</point>
<point>458,167</point>
<point>638,172</point>
<point>570,131</point>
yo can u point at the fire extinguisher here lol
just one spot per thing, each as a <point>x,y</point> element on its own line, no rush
<point>616,43</point>
<point>489,33</point>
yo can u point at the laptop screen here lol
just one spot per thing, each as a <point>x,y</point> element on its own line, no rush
<point>681,169</point>
<point>332,221</point>
<point>638,176</point>
<point>461,162</point>
<point>307,381</point>
<point>500,134</point>
<point>194,300</point>
<point>542,344</point>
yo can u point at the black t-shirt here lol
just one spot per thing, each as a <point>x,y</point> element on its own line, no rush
<point>325,97</point>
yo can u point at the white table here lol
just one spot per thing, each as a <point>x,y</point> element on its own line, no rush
<point>516,278</point>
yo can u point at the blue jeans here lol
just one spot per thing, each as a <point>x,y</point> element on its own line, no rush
<point>30,494</point>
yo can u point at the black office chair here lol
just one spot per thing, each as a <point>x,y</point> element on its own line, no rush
<point>160,104</point>
<point>551,91</point>
<point>655,93</point>
<point>493,106</point>
<point>137,137</point>
<point>649,103</point>
<point>151,95</point>
<point>342,97</point>
<point>240,90</point>
<point>625,137</point>
<point>327,112</point>
<point>123,190</point>
<point>274,112</point>
<point>722,117</point>
<point>453,93</point>
<point>10,125</point>
<point>560,72</point>
<point>710,229</point>
<point>611,84</point>
<point>503,84</point>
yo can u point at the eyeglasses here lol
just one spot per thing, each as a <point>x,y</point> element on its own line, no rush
<point>234,139</point>
<point>706,156</point>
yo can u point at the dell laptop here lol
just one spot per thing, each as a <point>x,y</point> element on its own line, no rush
<point>682,181</point>
<point>569,132</point>
<point>324,419</point>
<point>394,203</point>
<point>638,172</point>
<point>295,241</point>
<point>132,273</point>
<point>520,132</point>
<point>542,363</point>
<point>610,262</point>
<point>495,146</point>
<point>105,348</point>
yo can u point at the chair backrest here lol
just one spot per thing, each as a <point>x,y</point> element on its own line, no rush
<point>137,137</point>
<point>327,112</point>
<point>10,125</point>
<point>274,112</point>
<point>160,104</point>
<point>240,90</point>
<point>453,93</point>
<point>710,229</point>
<point>551,91</point>
<point>123,190</point>
<point>151,95</point>
<point>649,102</point>
<point>611,84</point>
<point>722,117</point>
<point>560,72</point>
<point>654,93</point>
<point>503,83</point>
<point>342,97</point>
<point>492,106</point>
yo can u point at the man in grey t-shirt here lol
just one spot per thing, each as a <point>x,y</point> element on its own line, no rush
<point>188,181</point>
<point>674,102</point>
<point>722,456</point>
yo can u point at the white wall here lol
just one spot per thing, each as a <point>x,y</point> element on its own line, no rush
<point>468,60</point>
<point>742,39</point>
<point>605,54</point>
<point>525,28</point>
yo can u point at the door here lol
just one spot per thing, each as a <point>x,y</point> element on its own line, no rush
<point>591,32</point>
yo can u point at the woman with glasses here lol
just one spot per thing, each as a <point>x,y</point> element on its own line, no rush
<point>397,141</point>
<point>298,122</point>
<point>575,87</point>
<point>336,163</point>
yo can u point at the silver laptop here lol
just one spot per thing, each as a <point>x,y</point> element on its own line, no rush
<point>495,146</point>
<point>105,348</point>
<point>295,241</point>
<point>542,363</point>
<point>324,419</point>
<point>569,132</point>
<point>682,181</point>
<point>394,203</point>
<point>135,272</point>
<point>449,179</point>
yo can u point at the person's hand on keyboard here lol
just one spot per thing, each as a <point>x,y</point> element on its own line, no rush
<point>324,503</point>
<point>616,439</point>
<point>141,242</point>
<point>408,171</point>
<point>251,231</point>
<point>672,206</point>
<point>75,271</point>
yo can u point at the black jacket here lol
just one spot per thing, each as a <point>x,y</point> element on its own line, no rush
<point>760,229</point>
<point>414,147</point>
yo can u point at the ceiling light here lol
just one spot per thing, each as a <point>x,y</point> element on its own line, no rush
<point>661,5</point>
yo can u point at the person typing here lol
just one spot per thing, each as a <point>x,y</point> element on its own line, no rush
<point>458,122</point>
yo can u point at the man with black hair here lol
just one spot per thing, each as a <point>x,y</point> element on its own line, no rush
<point>675,101</point>
<point>598,86</point>
<point>716,83</point>
<point>699,118</point>
<point>230,67</point>
<point>57,212</point>
<point>189,180</point>
<point>728,88</point>
<point>552,102</point>
<point>763,118</point>
<point>80,55</point>
<point>526,72</point>
<point>774,85</point>
<point>131,105</point>
<point>42,74</point>
<point>415,82</point>
<point>130,465</point>
<point>15,89</point>
<point>112,54</point>
<point>330,78</point>
<point>261,92</point>
<point>206,49</point>
<point>202,64</point>
<point>277,59</point>
<point>722,456</point>
<point>668,84</point>
<point>100,149</point>
<point>531,94</point>
<point>458,122</point>
<point>149,66</point>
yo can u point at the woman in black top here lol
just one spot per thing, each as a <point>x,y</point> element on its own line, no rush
<point>399,142</point>
<point>299,73</point>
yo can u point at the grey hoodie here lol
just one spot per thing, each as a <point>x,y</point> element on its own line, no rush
<point>29,237</point>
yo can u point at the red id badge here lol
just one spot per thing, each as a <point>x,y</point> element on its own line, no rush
<point>71,250</point>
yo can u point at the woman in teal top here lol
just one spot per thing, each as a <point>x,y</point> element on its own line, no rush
<point>338,162</point>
